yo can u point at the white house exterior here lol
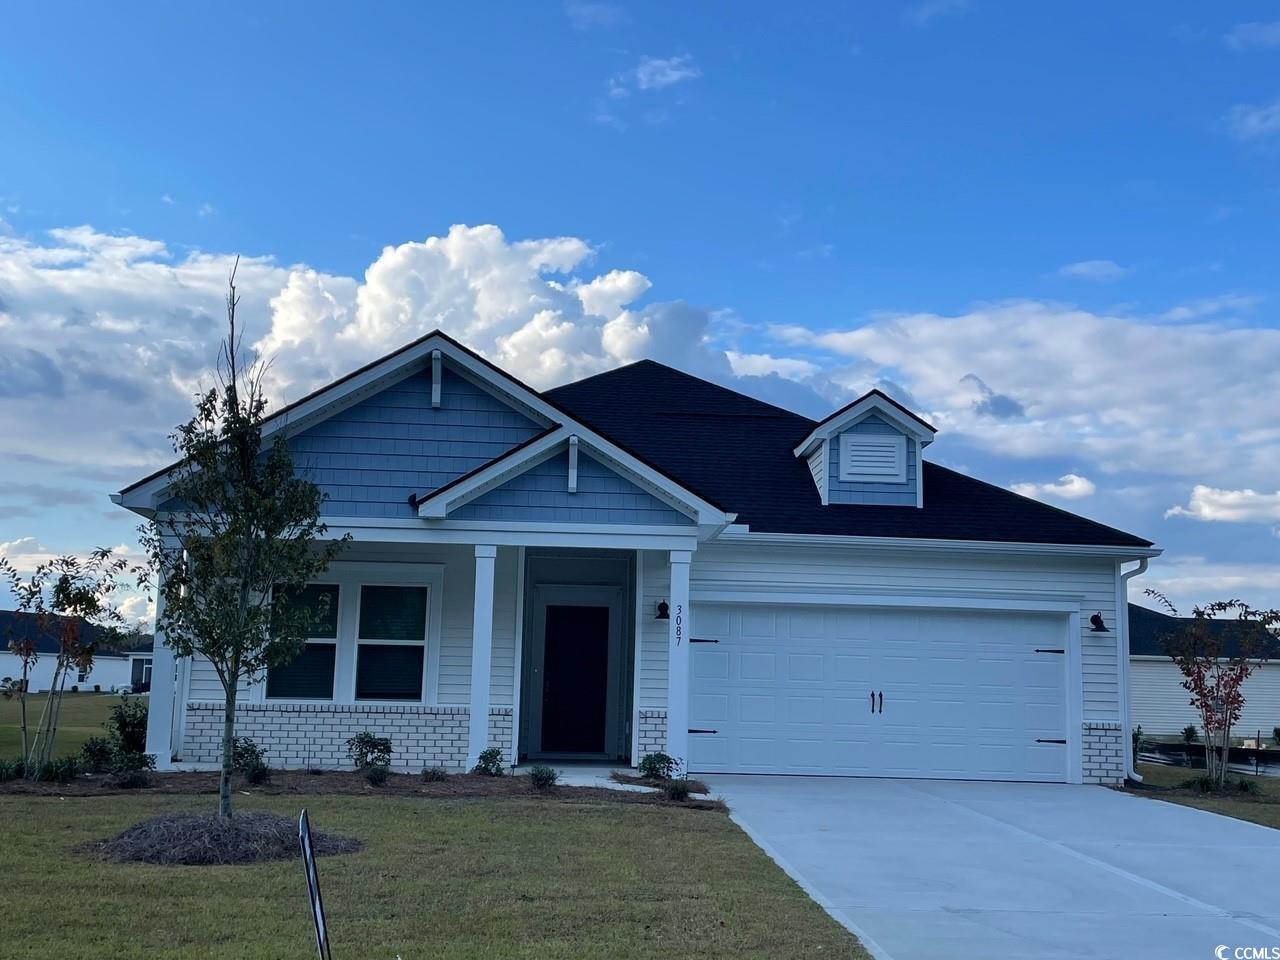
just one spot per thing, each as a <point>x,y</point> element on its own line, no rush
<point>643,561</point>
<point>112,670</point>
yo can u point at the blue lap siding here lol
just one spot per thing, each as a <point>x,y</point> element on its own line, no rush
<point>541,494</point>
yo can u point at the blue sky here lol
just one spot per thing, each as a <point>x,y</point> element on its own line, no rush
<point>1054,235</point>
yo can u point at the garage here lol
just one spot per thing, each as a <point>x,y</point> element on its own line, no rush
<point>879,691</point>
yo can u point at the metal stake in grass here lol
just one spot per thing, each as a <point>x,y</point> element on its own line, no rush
<point>313,887</point>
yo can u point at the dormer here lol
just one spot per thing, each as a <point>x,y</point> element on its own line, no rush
<point>869,452</point>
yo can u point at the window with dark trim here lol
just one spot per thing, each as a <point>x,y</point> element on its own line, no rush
<point>391,642</point>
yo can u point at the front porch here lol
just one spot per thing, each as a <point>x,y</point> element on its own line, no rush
<point>546,651</point>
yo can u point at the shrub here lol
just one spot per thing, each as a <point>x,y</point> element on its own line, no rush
<point>128,724</point>
<point>1275,736</point>
<point>376,773</point>
<point>1137,739</point>
<point>657,766</point>
<point>1190,734</point>
<point>132,769</point>
<point>62,770</point>
<point>543,777</point>
<point>97,688</point>
<point>11,770</point>
<point>489,763</point>
<point>75,688</point>
<point>676,790</point>
<point>366,750</point>
<point>249,760</point>
<point>96,754</point>
<point>434,774</point>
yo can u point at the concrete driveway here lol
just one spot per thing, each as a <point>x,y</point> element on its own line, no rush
<point>934,869</point>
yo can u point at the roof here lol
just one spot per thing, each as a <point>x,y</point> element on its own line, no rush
<point>697,432</point>
<point>873,401</point>
<point>1148,629</point>
<point>17,624</point>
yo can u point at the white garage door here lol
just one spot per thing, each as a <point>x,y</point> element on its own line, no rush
<point>878,692</point>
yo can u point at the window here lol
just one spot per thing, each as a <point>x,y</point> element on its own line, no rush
<point>309,675</point>
<point>871,458</point>
<point>82,676</point>
<point>391,642</point>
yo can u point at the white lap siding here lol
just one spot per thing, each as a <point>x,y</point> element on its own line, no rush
<point>1163,708</point>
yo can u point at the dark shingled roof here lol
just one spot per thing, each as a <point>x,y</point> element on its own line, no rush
<point>1149,628</point>
<point>736,452</point>
<point>17,625</point>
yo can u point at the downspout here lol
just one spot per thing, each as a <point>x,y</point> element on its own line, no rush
<point>1123,654</point>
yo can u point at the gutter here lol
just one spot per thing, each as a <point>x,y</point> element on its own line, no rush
<point>1123,664</point>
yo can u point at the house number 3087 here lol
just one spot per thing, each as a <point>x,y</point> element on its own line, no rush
<point>679,621</point>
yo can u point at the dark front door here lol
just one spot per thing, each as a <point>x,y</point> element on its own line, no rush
<point>575,679</point>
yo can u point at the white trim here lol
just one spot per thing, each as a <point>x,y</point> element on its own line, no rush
<point>486,560</point>
<point>436,377</point>
<point>1075,699</point>
<point>860,410</point>
<point>919,475</point>
<point>896,443</point>
<point>1016,604</point>
<point>678,657</point>
<point>517,682</point>
<point>573,464</point>
<point>638,660</point>
<point>614,536</point>
<point>738,533</point>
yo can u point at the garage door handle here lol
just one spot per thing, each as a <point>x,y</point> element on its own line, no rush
<point>1051,741</point>
<point>882,701</point>
<point>692,730</point>
<point>873,701</point>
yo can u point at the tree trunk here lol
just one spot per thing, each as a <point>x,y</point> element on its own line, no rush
<point>228,737</point>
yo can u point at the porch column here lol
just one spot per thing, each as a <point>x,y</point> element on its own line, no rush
<point>678,659</point>
<point>164,691</point>
<point>481,652</point>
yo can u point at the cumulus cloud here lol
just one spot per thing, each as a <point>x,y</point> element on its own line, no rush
<point>1072,486</point>
<point>1191,580</point>
<point>1094,270</point>
<point>1231,506</point>
<point>1247,35</point>
<point>1250,122</point>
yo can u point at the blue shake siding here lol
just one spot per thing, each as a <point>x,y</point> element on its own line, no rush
<point>883,494</point>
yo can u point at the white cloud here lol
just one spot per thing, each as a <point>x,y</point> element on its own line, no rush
<point>1248,122</point>
<point>1094,270</point>
<point>762,364</point>
<point>1072,486</point>
<point>167,200</point>
<point>205,210</point>
<point>654,73</point>
<point>584,15</point>
<point>1232,506</point>
<point>923,14</point>
<point>1192,580</point>
<point>1245,35</point>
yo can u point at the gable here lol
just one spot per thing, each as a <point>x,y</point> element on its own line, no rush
<point>872,462</point>
<point>541,495</point>
<point>373,456</point>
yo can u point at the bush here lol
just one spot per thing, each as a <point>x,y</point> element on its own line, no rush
<point>1137,739</point>
<point>676,790</point>
<point>249,760</point>
<point>489,763</point>
<point>97,688</point>
<point>75,688</point>
<point>376,774</point>
<point>128,724</point>
<point>96,754</point>
<point>132,769</point>
<point>657,766</point>
<point>543,777</point>
<point>11,770</point>
<point>1275,736</point>
<point>1190,734</point>
<point>366,750</point>
<point>434,774</point>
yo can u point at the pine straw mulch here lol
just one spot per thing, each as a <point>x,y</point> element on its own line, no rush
<point>621,776</point>
<point>349,783</point>
<point>190,840</point>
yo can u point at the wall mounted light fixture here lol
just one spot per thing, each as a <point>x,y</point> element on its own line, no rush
<point>664,611</point>
<point>1096,625</point>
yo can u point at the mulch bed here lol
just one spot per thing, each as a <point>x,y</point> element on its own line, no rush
<point>187,840</point>
<point>348,783</point>
<point>619,776</point>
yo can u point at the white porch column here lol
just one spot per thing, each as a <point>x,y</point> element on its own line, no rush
<point>161,699</point>
<point>678,659</point>
<point>481,652</point>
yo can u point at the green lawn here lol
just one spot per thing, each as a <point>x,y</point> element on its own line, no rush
<point>82,717</point>
<point>492,878</point>
<point>1262,807</point>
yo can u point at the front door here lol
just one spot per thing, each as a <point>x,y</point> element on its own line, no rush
<point>576,672</point>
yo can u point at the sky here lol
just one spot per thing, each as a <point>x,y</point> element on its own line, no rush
<point>1054,236</point>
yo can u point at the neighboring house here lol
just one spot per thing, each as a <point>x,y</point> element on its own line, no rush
<point>112,669</point>
<point>645,561</point>
<point>1162,707</point>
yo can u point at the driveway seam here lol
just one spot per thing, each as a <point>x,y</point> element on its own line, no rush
<point>1114,870</point>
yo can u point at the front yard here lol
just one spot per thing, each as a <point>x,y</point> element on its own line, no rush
<point>1167,783</point>
<point>438,878</point>
<point>82,717</point>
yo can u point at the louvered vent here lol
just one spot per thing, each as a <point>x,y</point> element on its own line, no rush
<point>876,459</point>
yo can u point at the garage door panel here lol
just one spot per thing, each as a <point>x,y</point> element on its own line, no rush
<point>788,691</point>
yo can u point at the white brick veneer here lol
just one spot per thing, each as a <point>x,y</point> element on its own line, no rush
<point>1103,753</point>
<point>653,732</point>
<point>315,734</point>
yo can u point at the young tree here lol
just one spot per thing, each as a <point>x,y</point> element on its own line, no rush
<point>74,600</point>
<point>240,531</point>
<point>1215,658</point>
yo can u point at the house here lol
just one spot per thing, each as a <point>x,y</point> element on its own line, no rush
<point>645,561</point>
<point>112,669</point>
<point>1159,703</point>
